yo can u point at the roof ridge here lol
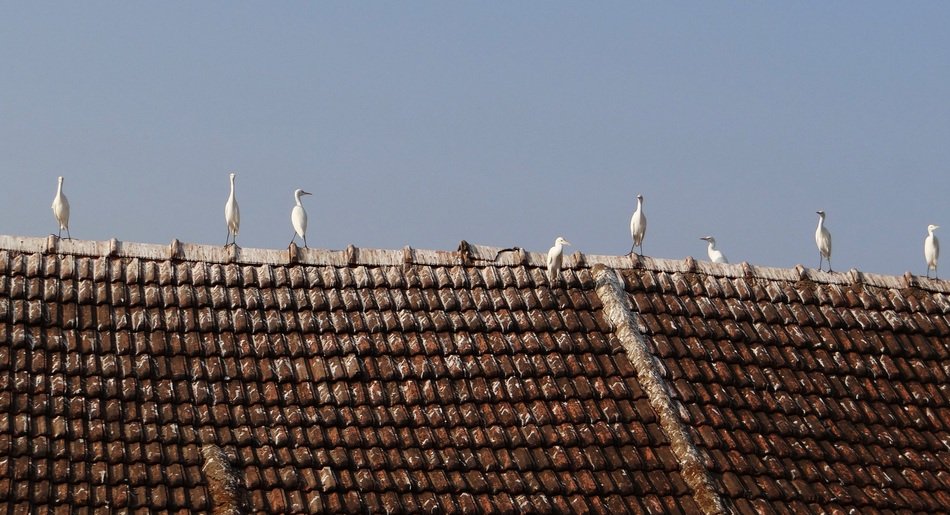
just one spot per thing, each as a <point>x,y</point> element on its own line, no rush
<point>619,313</point>
<point>467,253</point>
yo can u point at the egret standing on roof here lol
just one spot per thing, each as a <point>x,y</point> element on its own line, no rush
<point>298,217</point>
<point>931,249</point>
<point>555,256</point>
<point>715,255</point>
<point>638,226</point>
<point>232,215</point>
<point>61,210</point>
<point>823,240</point>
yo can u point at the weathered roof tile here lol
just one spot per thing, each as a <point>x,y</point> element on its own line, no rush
<point>460,388</point>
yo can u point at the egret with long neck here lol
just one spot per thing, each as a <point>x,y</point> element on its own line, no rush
<point>638,226</point>
<point>823,240</point>
<point>232,215</point>
<point>715,255</point>
<point>61,210</point>
<point>931,249</point>
<point>555,257</point>
<point>298,217</point>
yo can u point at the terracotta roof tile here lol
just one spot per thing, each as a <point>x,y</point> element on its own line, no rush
<point>459,388</point>
<point>831,389</point>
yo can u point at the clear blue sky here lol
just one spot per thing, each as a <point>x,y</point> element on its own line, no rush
<point>502,123</point>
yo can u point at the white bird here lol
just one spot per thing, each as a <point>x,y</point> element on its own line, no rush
<point>823,240</point>
<point>931,249</point>
<point>715,255</point>
<point>638,226</point>
<point>232,215</point>
<point>555,256</point>
<point>298,217</point>
<point>61,210</point>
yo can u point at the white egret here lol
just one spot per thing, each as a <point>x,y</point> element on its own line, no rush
<point>638,226</point>
<point>298,217</point>
<point>931,249</point>
<point>823,240</point>
<point>715,255</point>
<point>232,215</point>
<point>555,256</point>
<point>61,210</point>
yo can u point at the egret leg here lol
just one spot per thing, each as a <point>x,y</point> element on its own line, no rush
<point>59,235</point>
<point>68,236</point>
<point>641,248</point>
<point>305,241</point>
<point>821,260</point>
<point>292,240</point>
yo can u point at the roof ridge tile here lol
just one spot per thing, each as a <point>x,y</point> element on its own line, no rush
<point>481,256</point>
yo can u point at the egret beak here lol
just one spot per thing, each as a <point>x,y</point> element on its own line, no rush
<point>306,193</point>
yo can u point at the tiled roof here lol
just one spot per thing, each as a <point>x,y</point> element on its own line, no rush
<point>807,396</point>
<point>195,378</point>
